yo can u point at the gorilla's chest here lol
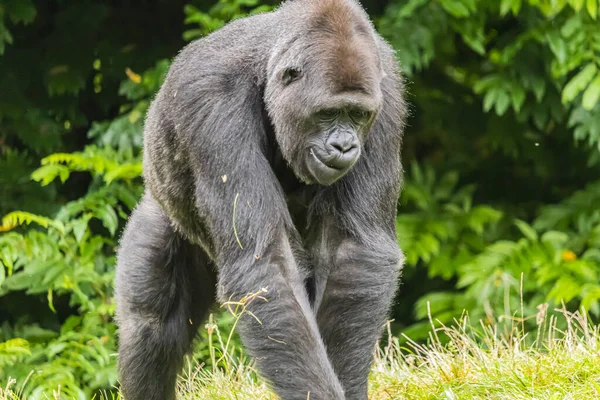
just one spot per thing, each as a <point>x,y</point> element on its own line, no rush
<point>299,196</point>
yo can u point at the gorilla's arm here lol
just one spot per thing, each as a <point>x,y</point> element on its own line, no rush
<point>357,280</point>
<point>251,234</point>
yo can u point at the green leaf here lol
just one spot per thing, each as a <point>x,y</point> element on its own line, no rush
<point>565,289</point>
<point>558,46</point>
<point>572,26</point>
<point>109,218</point>
<point>538,85</point>
<point>409,8</point>
<point>475,43</point>
<point>577,4</point>
<point>20,281</point>
<point>446,185</point>
<point>592,93</point>
<point>8,255</point>
<point>505,6</point>
<point>456,8</point>
<point>125,171</point>
<point>470,4</point>
<point>527,230</point>
<point>486,83</point>
<point>17,218</point>
<point>16,346</point>
<point>192,34</point>
<point>502,103</point>
<point>438,302</point>
<point>80,227</point>
<point>48,173</point>
<point>592,8</point>
<point>516,6</point>
<point>490,99</point>
<point>518,97</point>
<point>2,272</point>
<point>127,197</point>
<point>578,83</point>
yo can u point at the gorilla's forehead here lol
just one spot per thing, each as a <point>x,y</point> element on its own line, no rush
<point>338,17</point>
<point>343,40</point>
<point>351,66</point>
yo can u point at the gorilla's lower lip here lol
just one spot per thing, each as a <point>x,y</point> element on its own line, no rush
<point>324,164</point>
<point>323,173</point>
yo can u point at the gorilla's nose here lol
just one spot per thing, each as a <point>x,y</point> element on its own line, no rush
<point>342,149</point>
<point>342,142</point>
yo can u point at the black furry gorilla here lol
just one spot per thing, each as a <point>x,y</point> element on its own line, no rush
<point>271,161</point>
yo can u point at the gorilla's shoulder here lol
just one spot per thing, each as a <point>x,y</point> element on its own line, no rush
<point>236,48</point>
<point>235,36</point>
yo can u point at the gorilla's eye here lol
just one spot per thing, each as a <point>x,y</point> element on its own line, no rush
<point>329,114</point>
<point>360,116</point>
<point>290,75</point>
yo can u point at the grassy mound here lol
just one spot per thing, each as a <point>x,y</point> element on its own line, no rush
<point>458,362</point>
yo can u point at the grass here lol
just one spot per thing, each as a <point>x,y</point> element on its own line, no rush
<point>459,362</point>
<point>558,364</point>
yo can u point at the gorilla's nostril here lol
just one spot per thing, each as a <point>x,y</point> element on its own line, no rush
<point>339,147</point>
<point>342,145</point>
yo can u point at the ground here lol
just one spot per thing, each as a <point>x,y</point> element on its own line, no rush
<point>459,362</point>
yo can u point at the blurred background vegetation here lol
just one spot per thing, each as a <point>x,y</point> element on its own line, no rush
<point>500,213</point>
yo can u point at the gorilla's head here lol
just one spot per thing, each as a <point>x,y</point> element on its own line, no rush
<point>323,94</point>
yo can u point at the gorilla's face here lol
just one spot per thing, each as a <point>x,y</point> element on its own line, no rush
<point>335,145</point>
<point>322,113</point>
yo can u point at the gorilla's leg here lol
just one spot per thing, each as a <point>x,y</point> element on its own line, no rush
<point>164,287</point>
<point>353,307</point>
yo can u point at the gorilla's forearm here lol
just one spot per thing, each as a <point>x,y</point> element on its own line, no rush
<point>278,328</point>
<point>255,243</point>
<point>357,295</point>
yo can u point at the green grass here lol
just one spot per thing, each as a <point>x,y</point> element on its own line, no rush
<point>557,365</point>
<point>459,362</point>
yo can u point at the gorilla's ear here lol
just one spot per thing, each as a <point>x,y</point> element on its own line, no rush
<point>290,74</point>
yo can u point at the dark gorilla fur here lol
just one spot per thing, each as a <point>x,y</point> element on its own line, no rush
<point>271,160</point>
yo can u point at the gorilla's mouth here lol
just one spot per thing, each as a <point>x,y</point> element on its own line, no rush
<point>326,169</point>
<point>325,164</point>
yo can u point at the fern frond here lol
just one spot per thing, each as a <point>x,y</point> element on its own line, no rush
<point>17,218</point>
<point>13,347</point>
<point>89,160</point>
<point>99,161</point>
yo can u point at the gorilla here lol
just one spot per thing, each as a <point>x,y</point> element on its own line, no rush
<point>271,166</point>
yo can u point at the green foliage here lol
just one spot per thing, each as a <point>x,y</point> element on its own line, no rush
<point>72,259</point>
<point>493,276</point>
<point>532,69</point>
<point>219,14</point>
<point>101,162</point>
<point>545,49</point>
<point>12,350</point>
<point>444,225</point>
<point>14,12</point>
